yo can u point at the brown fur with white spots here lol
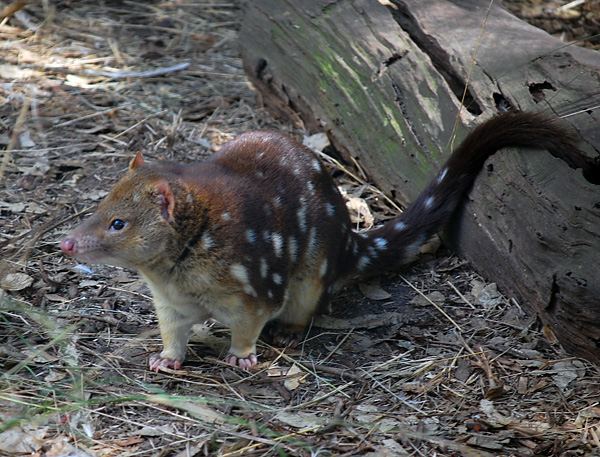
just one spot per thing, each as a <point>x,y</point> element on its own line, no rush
<point>259,231</point>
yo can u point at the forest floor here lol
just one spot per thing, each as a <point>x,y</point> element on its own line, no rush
<point>428,361</point>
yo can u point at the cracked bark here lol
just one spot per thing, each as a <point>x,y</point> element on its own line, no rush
<point>386,84</point>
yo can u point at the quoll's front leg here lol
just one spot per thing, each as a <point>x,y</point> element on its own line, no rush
<point>174,330</point>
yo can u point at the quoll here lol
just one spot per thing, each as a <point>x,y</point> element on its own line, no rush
<point>259,232</point>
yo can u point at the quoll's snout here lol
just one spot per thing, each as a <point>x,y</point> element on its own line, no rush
<point>68,246</point>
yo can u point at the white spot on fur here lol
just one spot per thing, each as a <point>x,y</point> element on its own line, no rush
<point>277,244</point>
<point>400,226</point>
<point>312,241</point>
<point>189,198</point>
<point>264,268</point>
<point>330,209</point>
<point>323,268</point>
<point>316,165</point>
<point>380,243</point>
<point>442,175</point>
<point>302,216</point>
<point>363,262</point>
<point>311,187</point>
<point>260,155</point>
<point>429,201</point>
<point>277,279</point>
<point>363,234</point>
<point>251,235</point>
<point>286,297</point>
<point>293,249</point>
<point>250,290</point>
<point>270,295</point>
<point>260,174</point>
<point>206,241</point>
<point>267,236</point>
<point>226,216</point>
<point>239,272</point>
<point>277,201</point>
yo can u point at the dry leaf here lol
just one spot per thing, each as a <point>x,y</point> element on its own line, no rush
<point>158,430</point>
<point>488,295</point>
<point>373,291</point>
<point>56,298</point>
<point>294,383</point>
<point>566,372</point>
<point>549,335</point>
<point>17,207</point>
<point>316,142</point>
<point>25,140</point>
<point>22,440</point>
<point>359,211</point>
<point>65,449</point>
<point>194,409</point>
<point>16,281</point>
<point>55,376</point>
<point>299,419</point>
<point>494,417</point>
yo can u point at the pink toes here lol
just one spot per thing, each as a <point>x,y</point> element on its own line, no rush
<point>244,364</point>
<point>157,363</point>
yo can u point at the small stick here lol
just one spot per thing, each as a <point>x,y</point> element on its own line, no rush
<point>338,346</point>
<point>460,295</point>
<point>15,135</point>
<point>138,74</point>
<point>431,302</point>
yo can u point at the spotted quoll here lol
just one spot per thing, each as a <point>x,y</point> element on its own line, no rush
<point>259,232</point>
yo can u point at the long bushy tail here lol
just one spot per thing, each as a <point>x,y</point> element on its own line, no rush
<point>396,242</point>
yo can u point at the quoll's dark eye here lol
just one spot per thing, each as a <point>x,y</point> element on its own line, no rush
<point>117,225</point>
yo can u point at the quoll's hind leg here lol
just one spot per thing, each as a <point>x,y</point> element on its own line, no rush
<point>305,297</point>
<point>174,330</point>
<point>245,330</point>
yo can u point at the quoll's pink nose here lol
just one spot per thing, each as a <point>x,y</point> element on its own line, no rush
<point>68,246</point>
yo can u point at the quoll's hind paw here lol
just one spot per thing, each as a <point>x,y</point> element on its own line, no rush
<point>157,363</point>
<point>282,335</point>
<point>244,364</point>
<point>287,339</point>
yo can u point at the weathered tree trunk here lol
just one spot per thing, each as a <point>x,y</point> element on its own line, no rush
<point>386,82</point>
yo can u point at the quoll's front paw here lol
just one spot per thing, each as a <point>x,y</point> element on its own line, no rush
<point>245,363</point>
<point>157,363</point>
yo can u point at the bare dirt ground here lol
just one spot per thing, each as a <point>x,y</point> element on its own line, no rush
<point>432,361</point>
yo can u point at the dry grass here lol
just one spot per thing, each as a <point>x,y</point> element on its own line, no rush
<point>433,363</point>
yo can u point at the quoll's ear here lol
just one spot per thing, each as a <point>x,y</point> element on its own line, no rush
<point>137,161</point>
<point>165,199</point>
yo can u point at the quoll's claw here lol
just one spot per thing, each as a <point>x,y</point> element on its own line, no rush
<point>244,364</point>
<point>157,363</point>
<point>286,340</point>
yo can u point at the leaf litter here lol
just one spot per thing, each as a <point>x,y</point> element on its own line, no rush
<point>433,362</point>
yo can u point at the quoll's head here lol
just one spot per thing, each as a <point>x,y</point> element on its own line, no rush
<point>130,226</point>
